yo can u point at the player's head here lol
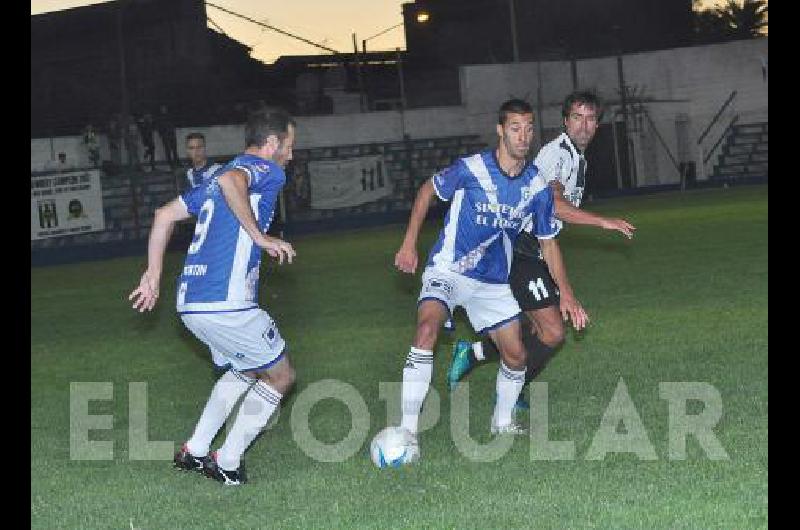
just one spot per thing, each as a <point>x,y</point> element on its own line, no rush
<point>515,128</point>
<point>582,112</point>
<point>269,133</point>
<point>196,148</point>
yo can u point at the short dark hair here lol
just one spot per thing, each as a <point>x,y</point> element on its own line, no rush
<point>196,136</point>
<point>583,97</point>
<point>263,123</point>
<point>513,106</point>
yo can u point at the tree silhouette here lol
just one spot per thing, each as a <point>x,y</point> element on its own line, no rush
<point>734,19</point>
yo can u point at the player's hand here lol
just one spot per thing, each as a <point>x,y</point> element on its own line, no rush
<point>620,225</point>
<point>572,310</point>
<point>146,295</point>
<point>278,248</point>
<point>406,259</point>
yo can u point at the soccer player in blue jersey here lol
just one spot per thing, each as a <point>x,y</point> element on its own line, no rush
<point>562,163</point>
<point>218,296</point>
<point>201,169</point>
<point>493,194</point>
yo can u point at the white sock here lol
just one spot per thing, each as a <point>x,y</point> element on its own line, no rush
<point>477,349</point>
<point>257,407</point>
<point>416,380</point>
<point>225,394</point>
<point>509,385</point>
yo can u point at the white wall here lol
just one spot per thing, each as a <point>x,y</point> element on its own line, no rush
<point>43,150</point>
<point>703,76</point>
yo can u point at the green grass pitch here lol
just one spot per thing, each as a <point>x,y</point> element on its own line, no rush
<point>686,300</point>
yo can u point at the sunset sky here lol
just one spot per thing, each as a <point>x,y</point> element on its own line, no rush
<point>327,22</point>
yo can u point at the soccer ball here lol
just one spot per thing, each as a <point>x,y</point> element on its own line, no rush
<point>393,447</point>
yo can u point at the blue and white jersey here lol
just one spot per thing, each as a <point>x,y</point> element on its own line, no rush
<point>196,176</point>
<point>221,268</point>
<point>487,212</point>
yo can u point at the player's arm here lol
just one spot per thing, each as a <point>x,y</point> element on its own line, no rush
<point>145,295</point>
<point>570,306</point>
<point>234,185</point>
<point>570,214</point>
<point>406,258</point>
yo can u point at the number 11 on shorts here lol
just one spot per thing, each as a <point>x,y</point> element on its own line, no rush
<point>538,289</point>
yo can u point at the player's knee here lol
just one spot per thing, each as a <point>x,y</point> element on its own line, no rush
<point>288,376</point>
<point>514,356</point>
<point>552,335</point>
<point>281,380</point>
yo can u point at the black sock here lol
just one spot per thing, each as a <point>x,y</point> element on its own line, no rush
<point>490,351</point>
<point>539,354</point>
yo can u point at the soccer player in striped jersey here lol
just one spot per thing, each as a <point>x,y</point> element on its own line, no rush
<point>493,195</point>
<point>541,294</point>
<point>201,169</point>
<point>217,295</point>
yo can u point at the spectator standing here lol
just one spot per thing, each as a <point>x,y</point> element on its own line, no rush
<point>166,130</point>
<point>145,124</point>
<point>92,145</point>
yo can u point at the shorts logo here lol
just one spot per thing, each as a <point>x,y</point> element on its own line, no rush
<point>271,333</point>
<point>437,285</point>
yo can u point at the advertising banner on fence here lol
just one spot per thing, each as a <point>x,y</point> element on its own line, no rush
<point>348,182</point>
<point>66,203</point>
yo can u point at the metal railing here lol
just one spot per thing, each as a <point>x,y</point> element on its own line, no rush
<point>721,137</point>
<point>705,155</point>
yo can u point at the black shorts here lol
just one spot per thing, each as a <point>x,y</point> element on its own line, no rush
<point>531,283</point>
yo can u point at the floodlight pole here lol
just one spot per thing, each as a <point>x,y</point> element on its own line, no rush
<point>513,21</point>
<point>400,77</point>
<point>624,105</point>
<point>121,49</point>
<point>360,75</point>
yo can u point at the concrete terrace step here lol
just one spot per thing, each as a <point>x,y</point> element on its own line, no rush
<point>742,168</point>
<point>735,159</point>
<point>741,140</point>
<point>742,179</point>
<point>751,138</point>
<point>744,149</point>
<point>739,149</point>
<point>750,128</point>
<point>730,168</point>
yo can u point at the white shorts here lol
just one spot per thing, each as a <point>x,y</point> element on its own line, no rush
<point>488,305</point>
<point>244,340</point>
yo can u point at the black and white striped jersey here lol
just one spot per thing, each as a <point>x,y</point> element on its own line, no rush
<point>558,160</point>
